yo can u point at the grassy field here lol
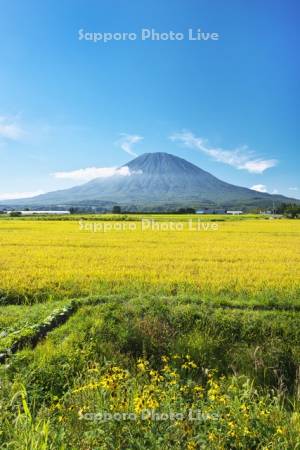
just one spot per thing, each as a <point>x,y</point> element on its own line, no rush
<point>182,334</point>
<point>251,259</point>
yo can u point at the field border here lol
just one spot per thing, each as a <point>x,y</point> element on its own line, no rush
<point>33,334</point>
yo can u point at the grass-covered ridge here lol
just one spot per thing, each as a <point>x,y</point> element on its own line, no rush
<point>160,356</point>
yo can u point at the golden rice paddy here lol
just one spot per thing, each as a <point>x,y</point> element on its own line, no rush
<point>39,259</point>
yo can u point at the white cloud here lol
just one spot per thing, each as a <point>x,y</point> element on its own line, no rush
<point>17,195</point>
<point>126,142</point>
<point>275,191</point>
<point>10,129</point>
<point>293,189</point>
<point>259,188</point>
<point>240,158</point>
<point>91,173</point>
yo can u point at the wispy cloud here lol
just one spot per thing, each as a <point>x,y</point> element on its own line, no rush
<point>263,188</point>
<point>240,158</point>
<point>259,188</point>
<point>10,129</point>
<point>91,173</point>
<point>295,189</point>
<point>17,195</point>
<point>127,141</point>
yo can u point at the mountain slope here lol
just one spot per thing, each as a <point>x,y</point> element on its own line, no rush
<point>158,179</point>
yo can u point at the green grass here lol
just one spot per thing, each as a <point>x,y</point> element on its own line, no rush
<point>28,331</point>
<point>16,317</point>
<point>263,346</point>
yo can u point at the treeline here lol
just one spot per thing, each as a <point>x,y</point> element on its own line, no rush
<point>291,210</point>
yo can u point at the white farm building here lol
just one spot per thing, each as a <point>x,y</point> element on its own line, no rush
<point>234,213</point>
<point>32,213</point>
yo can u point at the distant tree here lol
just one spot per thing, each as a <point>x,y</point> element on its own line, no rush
<point>254,211</point>
<point>280,208</point>
<point>186,211</point>
<point>292,211</point>
<point>116,209</point>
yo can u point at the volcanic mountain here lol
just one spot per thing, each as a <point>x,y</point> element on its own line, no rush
<point>157,180</point>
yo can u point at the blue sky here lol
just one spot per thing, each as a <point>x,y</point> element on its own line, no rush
<point>71,109</point>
